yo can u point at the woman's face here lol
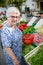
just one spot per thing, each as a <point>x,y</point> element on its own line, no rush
<point>13,17</point>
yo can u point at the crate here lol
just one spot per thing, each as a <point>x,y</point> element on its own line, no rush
<point>32,53</point>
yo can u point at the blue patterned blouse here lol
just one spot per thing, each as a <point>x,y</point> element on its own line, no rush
<point>11,38</point>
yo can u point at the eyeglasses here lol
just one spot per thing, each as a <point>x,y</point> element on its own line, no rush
<point>14,16</point>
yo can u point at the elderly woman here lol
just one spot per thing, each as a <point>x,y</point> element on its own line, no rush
<point>11,37</point>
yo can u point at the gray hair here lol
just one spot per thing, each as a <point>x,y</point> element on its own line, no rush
<point>12,9</point>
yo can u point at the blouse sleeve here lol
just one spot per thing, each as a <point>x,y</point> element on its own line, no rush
<point>6,38</point>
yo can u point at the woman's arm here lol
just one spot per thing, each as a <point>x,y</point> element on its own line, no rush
<point>6,43</point>
<point>12,55</point>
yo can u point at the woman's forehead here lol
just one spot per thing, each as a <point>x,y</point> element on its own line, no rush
<point>14,14</point>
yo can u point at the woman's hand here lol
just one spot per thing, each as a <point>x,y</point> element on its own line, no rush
<point>16,62</point>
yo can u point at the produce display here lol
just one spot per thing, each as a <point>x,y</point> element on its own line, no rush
<point>21,22</point>
<point>37,58</point>
<point>28,39</point>
<point>28,30</point>
<point>30,36</point>
<point>38,38</point>
<point>22,26</point>
<point>40,30</point>
<point>1,24</point>
<point>26,49</point>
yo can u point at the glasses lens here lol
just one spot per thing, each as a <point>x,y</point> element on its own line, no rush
<point>14,17</point>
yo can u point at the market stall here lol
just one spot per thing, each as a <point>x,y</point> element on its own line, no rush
<point>32,37</point>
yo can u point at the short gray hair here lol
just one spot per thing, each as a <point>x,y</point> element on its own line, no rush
<point>12,9</point>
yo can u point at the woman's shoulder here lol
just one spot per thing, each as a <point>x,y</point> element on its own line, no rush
<point>4,29</point>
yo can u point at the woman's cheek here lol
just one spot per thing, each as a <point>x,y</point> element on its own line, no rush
<point>10,19</point>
